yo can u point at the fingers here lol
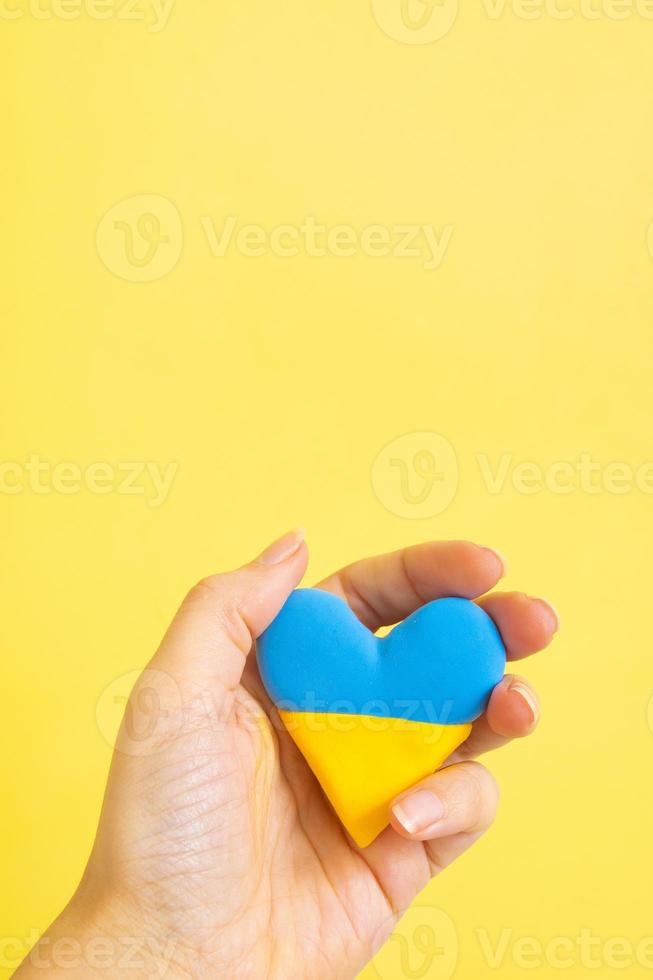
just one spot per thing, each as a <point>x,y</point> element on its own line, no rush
<point>461,799</point>
<point>513,712</point>
<point>431,824</point>
<point>387,588</point>
<point>526,623</point>
<point>211,635</point>
<point>447,812</point>
<point>384,589</point>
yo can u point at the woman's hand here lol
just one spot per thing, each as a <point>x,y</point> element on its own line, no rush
<point>217,853</point>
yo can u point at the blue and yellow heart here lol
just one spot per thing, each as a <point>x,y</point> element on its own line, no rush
<point>374,715</point>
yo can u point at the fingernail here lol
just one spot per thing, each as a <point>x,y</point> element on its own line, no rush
<point>282,549</point>
<point>502,558</point>
<point>527,695</point>
<point>551,610</point>
<point>419,811</point>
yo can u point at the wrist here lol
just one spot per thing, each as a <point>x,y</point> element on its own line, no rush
<point>101,938</point>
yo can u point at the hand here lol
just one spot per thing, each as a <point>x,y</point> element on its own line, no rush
<point>217,853</point>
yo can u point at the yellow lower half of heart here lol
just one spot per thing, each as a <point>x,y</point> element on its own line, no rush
<point>362,762</point>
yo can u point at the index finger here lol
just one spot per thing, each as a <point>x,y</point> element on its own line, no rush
<point>384,589</point>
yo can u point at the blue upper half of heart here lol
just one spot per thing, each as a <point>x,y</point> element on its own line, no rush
<point>438,666</point>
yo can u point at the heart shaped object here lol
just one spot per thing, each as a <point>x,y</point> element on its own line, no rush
<point>374,715</point>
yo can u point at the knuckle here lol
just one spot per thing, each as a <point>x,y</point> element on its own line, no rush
<point>220,595</point>
<point>234,625</point>
<point>209,587</point>
<point>482,794</point>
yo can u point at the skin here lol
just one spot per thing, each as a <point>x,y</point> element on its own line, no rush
<point>217,853</point>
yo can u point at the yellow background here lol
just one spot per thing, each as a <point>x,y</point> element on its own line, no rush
<point>274,383</point>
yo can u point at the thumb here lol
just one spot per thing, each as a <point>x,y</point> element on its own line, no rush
<point>213,632</point>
